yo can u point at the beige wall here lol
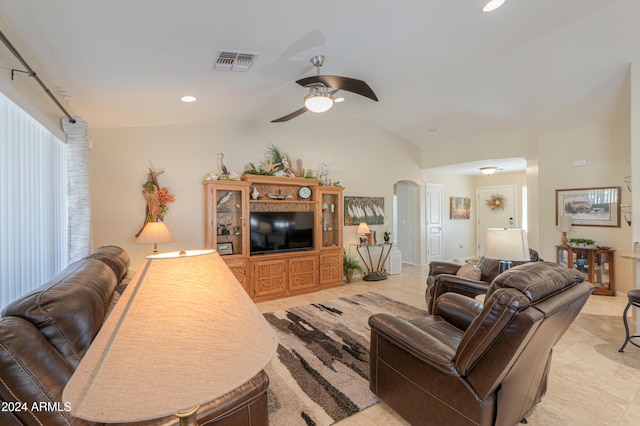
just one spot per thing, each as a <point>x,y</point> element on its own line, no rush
<point>604,148</point>
<point>459,234</point>
<point>367,160</point>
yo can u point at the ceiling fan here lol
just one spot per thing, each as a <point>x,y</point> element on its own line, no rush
<point>323,87</point>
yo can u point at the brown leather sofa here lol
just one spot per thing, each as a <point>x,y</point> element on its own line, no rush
<point>443,279</point>
<point>45,334</point>
<point>471,363</point>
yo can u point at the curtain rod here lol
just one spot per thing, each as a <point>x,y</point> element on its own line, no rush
<point>33,74</point>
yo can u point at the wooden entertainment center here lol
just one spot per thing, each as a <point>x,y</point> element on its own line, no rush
<point>266,276</point>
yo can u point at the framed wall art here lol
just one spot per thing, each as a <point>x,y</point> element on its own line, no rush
<point>364,209</point>
<point>459,208</point>
<point>589,206</point>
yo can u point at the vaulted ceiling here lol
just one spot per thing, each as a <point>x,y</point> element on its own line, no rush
<point>442,69</point>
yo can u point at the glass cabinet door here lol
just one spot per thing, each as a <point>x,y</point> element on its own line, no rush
<point>602,269</point>
<point>563,256</point>
<point>581,261</point>
<point>229,216</point>
<point>330,218</point>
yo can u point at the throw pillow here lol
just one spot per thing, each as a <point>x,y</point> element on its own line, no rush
<point>469,271</point>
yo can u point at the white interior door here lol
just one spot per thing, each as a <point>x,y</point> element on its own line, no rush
<point>495,218</point>
<point>435,230</point>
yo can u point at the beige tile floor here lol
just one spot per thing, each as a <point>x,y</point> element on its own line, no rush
<point>591,383</point>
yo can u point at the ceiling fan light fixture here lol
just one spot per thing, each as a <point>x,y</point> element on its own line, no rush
<point>488,170</point>
<point>318,100</point>
<point>492,5</point>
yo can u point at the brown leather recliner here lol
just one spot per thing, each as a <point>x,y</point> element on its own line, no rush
<point>471,363</point>
<point>443,279</point>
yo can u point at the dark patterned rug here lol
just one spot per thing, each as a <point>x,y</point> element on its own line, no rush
<point>321,372</point>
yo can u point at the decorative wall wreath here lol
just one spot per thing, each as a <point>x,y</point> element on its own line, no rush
<point>495,202</point>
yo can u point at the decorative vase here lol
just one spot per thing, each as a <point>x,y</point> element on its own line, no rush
<point>349,275</point>
<point>255,194</point>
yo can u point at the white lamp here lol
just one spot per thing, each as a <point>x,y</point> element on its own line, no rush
<point>564,226</point>
<point>363,229</point>
<point>183,333</point>
<point>506,245</point>
<point>319,99</point>
<point>155,233</point>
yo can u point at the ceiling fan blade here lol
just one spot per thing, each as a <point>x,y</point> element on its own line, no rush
<point>288,117</point>
<point>353,85</point>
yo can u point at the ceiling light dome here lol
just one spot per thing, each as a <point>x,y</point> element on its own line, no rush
<point>319,99</point>
<point>488,170</point>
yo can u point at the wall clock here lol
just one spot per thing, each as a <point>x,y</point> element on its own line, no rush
<point>304,192</point>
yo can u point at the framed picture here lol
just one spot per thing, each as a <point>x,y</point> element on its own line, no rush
<point>589,206</point>
<point>364,209</point>
<point>459,208</point>
<point>225,249</point>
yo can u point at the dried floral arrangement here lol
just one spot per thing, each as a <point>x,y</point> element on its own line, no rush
<point>495,202</point>
<point>158,199</point>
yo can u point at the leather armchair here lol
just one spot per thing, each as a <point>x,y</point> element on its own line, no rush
<point>443,279</point>
<point>474,363</point>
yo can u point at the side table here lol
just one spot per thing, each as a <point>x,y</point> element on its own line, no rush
<point>374,272</point>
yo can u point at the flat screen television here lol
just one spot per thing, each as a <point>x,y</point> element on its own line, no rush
<point>273,232</point>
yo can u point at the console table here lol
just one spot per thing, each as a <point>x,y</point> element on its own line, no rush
<point>374,272</point>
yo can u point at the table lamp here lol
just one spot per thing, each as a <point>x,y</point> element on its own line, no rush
<point>564,226</point>
<point>155,233</point>
<point>506,245</point>
<point>183,333</point>
<point>364,231</point>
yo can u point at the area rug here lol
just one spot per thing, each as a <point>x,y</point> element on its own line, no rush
<point>320,374</point>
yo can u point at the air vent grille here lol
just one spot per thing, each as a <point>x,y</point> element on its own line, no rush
<point>228,60</point>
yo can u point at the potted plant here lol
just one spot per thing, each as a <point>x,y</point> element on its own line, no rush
<point>586,242</point>
<point>349,265</point>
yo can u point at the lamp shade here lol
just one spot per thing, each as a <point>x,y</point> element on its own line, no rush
<point>154,233</point>
<point>363,228</point>
<point>564,224</point>
<point>506,244</point>
<point>183,333</point>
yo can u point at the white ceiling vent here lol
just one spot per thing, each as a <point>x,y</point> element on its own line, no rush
<point>228,60</point>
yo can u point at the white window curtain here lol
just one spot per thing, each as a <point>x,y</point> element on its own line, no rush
<point>78,188</point>
<point>33,203</point>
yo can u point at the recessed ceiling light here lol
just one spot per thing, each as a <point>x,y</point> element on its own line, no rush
<point>432,129</point>
<point>338,100</point>
<point>188,98</point>
<point>492,5</point>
